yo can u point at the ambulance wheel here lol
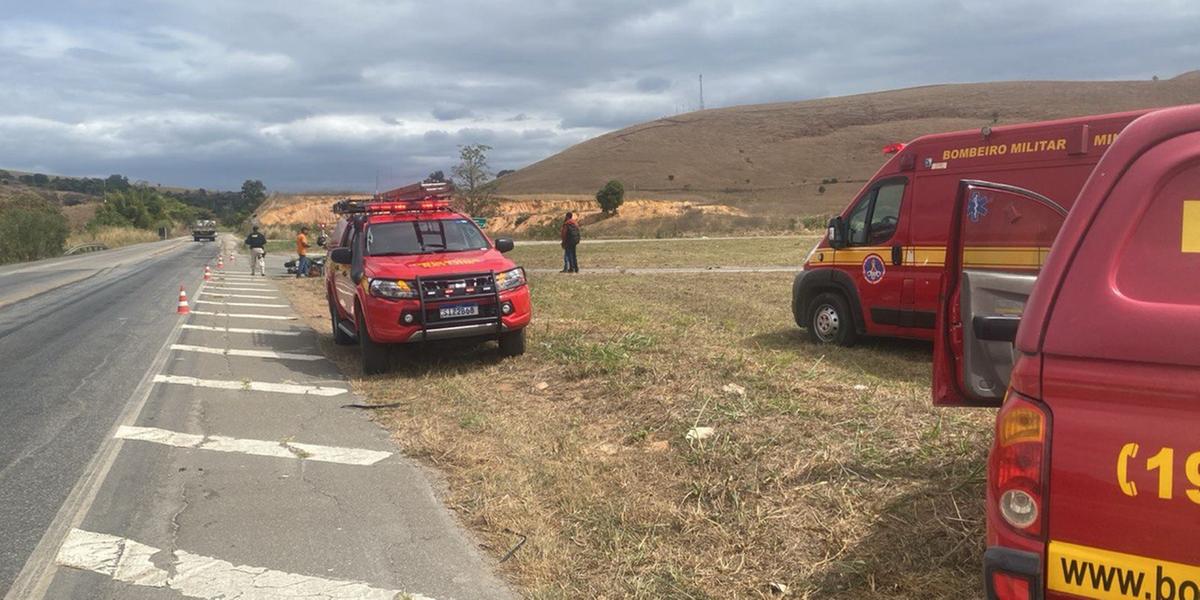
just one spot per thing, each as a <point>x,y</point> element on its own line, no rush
<point>512,343</point>
<point>374,355</point>
<point>830,321</point>
<point>340,337</point>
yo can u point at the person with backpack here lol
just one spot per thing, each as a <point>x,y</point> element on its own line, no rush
<point>570,239</point>
<point>258,250</point>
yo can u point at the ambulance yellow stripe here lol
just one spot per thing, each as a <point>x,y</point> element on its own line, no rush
<point>1107,575</point>
<point>1190,241</point>
<point>980,257</point>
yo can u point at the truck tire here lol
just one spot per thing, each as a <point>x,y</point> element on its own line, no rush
<point>830,320</point>
<point>339,337</point>
<point>512,343</point>
<point>374,356</point>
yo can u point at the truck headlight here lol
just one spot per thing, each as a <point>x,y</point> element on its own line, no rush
<point>513,278</point>
<point>391,288</point>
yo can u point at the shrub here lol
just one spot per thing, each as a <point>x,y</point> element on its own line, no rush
<point>611,197</point>
<point>31,228</point>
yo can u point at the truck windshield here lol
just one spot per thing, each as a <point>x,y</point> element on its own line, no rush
<point>424,237</point>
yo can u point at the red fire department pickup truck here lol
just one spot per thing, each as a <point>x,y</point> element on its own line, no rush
<point>879,269</point>
<point>406,268</point>
<point>1094,473</point>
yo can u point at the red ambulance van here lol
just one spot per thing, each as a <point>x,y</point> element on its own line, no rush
<point>1094,473</point>
<point>878,270</point>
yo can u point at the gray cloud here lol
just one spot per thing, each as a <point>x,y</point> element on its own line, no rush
<point>208,94</point>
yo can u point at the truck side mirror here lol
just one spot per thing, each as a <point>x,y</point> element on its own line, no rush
<point>504,244</point>
<point>836,233</point>
<point>341,256</point>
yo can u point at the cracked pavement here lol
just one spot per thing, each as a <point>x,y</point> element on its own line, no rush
<point>223,493</point>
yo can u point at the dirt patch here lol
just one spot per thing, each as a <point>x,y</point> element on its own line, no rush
<point>827,472</point>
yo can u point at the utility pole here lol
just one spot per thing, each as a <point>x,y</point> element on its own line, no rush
<point>702,91</point>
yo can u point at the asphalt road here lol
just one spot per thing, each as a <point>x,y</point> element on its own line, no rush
<point>145,454</point>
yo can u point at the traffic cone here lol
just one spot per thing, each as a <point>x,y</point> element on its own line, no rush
<point>232,258</point>
<point>220,265</point>
<point>207,274</point>
<point>183,303</point>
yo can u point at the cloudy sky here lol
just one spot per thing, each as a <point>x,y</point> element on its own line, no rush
<point>325,94</point>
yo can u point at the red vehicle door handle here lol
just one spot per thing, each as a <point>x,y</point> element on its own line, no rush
<point>897,254</point>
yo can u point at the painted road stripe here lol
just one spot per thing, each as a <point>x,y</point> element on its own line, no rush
<point>198,576</point>
<point>280,449</point>
<point>240,289</point>
<point>239,296</point>
<point>249,353</point>
<point>251,386</point>
<point>244,315</point>
<point>257,304</point>
<point>239,330</point>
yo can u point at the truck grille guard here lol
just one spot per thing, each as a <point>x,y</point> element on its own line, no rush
<point>489,281</point>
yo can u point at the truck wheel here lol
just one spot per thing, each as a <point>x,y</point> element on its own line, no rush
<point>339,337</point>
<point>374,355</point>
<point>512,343</point>
<point>830,321</point>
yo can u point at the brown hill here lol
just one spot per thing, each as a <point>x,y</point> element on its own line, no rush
<point>771,159</point>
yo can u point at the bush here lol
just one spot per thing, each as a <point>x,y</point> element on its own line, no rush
<point>611,197</point>
<point>31,228</point>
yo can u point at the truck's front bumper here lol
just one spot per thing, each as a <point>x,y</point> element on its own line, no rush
<point>386,318</point>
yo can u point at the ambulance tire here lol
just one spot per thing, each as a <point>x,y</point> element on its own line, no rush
<point>512,343</point>
<point>830,320</point>
<point>340,337</point>
<point>374,355</point>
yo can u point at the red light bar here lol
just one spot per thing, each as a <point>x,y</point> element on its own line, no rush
<point>407,206</point>
<point>893,148</point>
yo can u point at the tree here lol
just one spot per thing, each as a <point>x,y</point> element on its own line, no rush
<point>611,197</point>
<point>31,228</point>
<point>504,172</point>
<point>116,183</point>
<point>436,176</point>
<point>474,181</point>
<point>253,192</point>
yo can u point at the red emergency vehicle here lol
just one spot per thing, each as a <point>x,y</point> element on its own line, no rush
<point>406,268</point>
<point>1094,473</point>
<point>879,268</point>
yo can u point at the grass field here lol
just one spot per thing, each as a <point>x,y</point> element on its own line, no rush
<point>828,475</point>
<point>765,251</point>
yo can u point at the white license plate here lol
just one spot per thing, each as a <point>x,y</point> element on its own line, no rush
<point>459,310</point>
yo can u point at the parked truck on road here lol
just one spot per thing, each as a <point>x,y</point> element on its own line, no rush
<point>1093,480</point>
<point>204,229</point>
<point>879,268</point>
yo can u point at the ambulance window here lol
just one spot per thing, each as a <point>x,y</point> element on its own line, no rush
<point>886,213</point>
<point>856,223</point>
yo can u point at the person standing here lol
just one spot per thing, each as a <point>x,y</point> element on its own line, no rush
<point>302,250</point>
<point>258,251</point>
<point>570,239</point>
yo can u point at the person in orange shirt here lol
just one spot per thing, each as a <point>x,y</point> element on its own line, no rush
<point>302,249</point>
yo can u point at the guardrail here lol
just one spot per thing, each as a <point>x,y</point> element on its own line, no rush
<point>84,248</point>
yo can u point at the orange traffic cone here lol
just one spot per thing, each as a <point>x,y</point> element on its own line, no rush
<point>183,303</point>
<point>207,273</point>
<point>232,257</point>
<point>220,265</point>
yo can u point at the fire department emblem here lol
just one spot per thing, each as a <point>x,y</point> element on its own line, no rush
<point>873,269</point>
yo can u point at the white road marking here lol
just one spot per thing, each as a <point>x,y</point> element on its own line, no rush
<point>197,576</point>
<point>251,386</point>
<point>239,330</point>
<point>257,304</point>
<point>249,353</point>
<point>282,449</point>
<point>261,288</point>
<point>244,315</point>
<point>238,296</point>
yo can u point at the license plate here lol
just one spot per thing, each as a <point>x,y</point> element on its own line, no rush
<point>459,310</point>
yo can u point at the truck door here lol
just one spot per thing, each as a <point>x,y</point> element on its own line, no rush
<point>873,254</point>
<point>999,236</point>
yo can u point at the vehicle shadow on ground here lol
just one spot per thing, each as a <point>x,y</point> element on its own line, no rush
<point>412,361</point>
<point>925,543</point>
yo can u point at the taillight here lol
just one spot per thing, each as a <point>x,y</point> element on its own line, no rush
<point>1008,586</point>
<point>1018,463</point>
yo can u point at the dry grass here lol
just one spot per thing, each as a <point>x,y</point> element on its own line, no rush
<point>831,474</point>
<point>113,237</point>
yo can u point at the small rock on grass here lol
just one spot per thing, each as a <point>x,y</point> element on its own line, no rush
<point>541,386</point>
<point>733,388</point>
<point>779,588</point>
<point>700,433</point>
<point>858,387</point>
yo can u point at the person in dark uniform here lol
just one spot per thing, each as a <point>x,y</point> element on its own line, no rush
<point>258,251</point>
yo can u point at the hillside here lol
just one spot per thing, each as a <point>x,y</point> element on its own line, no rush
<point>770,159</point>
